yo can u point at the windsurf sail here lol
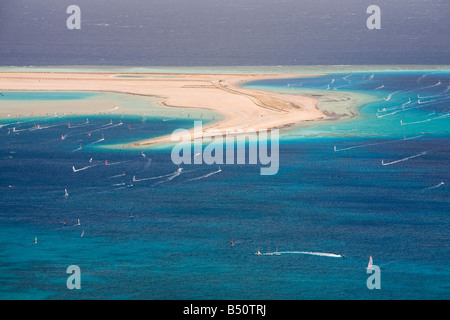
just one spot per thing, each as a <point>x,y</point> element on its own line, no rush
<point>369,266</point>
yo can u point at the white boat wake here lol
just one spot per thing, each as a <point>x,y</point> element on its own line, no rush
<point>415,105</point>
<point>435,187</point>
<point>432,86</point>
<point>115,163</point>
<point>376,143</point>
<point>118,175</point>
<point>426,120</point>
<point>321,254</point>
<point>99,140</point>
<point>206,175</point>
<point>80,148</point>
<point>391,94</point>
<point>82,169</point>
<point>404,159</point>
<point>170,175</point>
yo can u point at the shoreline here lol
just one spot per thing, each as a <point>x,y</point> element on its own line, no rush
<point>279,69</point>
<point>240,108</point>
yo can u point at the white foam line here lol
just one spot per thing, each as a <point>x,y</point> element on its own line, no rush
<point>206,175</point>
<point>322,254</point>
<point>15,130</point>
<point>376,143</point>
<point>426,120</point>
<point>391,94</point>
<point>415,122</point>
<point>436,96</point>
<point>404,159</point>
<point>108,126</point>
<point>434,187</point>
<point>116,163</point>
<point>171,177</point>
<point>175,174</point>
<point>100,140</point>
<point>419,102</point>
<point>432,86</point>
<point>419,105</point>
<point>117,176</point>
<point>46,127</point>
<point>446,90</point>
<point>151,178</point>
<point>81,169</point>
<point>423,76</point>
<point>345,78</point>
<point>7,124</point>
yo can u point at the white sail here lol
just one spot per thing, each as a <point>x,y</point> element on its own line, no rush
<point>369,266</point>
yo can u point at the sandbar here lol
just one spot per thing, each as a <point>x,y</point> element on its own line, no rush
<point>241,108</point>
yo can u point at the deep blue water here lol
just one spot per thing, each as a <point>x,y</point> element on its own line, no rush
<point>170,239</point>
<point>223,33</point>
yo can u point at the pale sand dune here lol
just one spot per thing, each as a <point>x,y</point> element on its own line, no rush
<point>242,109</point>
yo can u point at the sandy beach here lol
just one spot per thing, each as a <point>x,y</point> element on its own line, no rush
<point>242,109</point>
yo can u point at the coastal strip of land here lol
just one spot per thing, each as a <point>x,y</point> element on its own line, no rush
<point>241,108</point>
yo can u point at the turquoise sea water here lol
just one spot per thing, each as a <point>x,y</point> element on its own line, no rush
<point>169,237</point>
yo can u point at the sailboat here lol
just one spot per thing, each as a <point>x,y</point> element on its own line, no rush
<point>369,266</point>
<point>232,242</point>
<point>66,194</point>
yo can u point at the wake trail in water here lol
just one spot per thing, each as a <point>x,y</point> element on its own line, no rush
<point>82,169</point>
<point>426,120</point>
<point>171,177</point>
<point>404,159</point>
<point>98,141</point>
<point>369,78</point>
<point>321,254</point>
<point>376,143</point>
<point>117,176</point>
<point>434,187</point>
<point>432,86</point>
<point>106,127</point>
<point>116,163</point>
<point>152,178</point>
<point>391,94</point>
<point>206,175</point>
<point>417,104</point>
<point>424,76</point>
